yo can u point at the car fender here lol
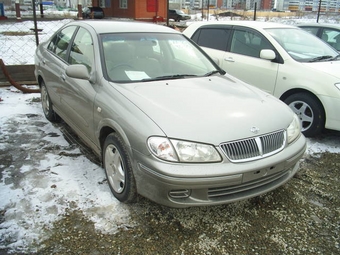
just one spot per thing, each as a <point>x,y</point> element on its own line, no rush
<point>305,81</point>
<point>111,124</point>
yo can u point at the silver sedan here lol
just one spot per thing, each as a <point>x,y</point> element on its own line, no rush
<point>166,121</point>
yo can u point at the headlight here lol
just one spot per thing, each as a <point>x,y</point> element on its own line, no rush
<point>182,151</point>
<point>294,129</point>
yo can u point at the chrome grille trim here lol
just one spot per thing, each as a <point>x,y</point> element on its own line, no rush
<point>255,147</point>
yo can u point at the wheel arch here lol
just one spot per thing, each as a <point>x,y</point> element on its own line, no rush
<point>288,93</point>
<point>40,80</point>
<point>109,127</point>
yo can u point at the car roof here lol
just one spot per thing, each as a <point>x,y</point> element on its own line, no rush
<point>329,25</point>
<point>253,24</point>
<point>112,26</point>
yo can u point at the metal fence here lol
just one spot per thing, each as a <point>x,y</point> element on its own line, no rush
<point>18,40</point>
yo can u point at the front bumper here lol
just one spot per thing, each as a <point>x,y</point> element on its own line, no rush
<point>185,185</point>
<point>331,105</point>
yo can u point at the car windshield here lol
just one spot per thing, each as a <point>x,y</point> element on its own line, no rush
<point>303,46</point>
<point>142,57</point>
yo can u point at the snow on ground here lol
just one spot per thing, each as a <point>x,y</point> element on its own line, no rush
<point>55,182</point>
<point>51,184</point>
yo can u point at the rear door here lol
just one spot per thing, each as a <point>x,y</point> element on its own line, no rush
<point>73,98</point>
<point>54,62</point>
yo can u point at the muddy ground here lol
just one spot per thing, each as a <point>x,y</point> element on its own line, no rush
<point>301,217</point>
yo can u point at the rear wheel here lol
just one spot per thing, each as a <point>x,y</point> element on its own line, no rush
<point>118,169</point>
<point>310,112</point>
<point>47,104</point>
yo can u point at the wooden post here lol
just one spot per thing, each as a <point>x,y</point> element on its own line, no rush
<point>17,9</point>
<point>80,12</point>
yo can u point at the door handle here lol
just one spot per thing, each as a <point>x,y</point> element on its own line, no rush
<point>229,59</point>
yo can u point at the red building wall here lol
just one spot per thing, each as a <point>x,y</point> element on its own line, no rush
<point>266,5</point>
<point>219,3</point>
<point>144,10</point>
<point>148,9</point>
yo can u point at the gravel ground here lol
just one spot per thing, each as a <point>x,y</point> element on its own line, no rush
<point>301,217</point>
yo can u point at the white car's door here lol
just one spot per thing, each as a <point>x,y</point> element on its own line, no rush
<point>243,60</point>
<point>237,50</point>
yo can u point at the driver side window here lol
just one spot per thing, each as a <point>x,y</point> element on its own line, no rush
<point>249,43</point>
<point>82,51</point>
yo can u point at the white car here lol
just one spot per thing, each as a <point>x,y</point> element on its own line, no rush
<point>286,61</point>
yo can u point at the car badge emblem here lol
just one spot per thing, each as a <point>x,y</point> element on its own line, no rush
<point>255,130</point>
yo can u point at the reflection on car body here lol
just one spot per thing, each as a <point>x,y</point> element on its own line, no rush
<point>178,15</point>
<point>164,118</point>
<point>93,13</point>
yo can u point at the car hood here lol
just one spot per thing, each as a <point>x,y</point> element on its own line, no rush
<point>329,67</point>
<point>212,109</point>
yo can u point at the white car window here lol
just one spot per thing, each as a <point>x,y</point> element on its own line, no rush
<point>333,37</point>
<point>249,43</point>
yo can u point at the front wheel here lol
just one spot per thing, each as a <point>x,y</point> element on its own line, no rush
<point>310,112</point>
<point>118,169</point>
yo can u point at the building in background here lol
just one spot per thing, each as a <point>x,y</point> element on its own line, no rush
<point>313,5</point>
<point>143,10</point>
<point>156,10</point>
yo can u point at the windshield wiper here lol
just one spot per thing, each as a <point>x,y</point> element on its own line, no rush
<point>336,57</point>
<point>169,77</point>
<point>321,58</point>
<point>212,72</point>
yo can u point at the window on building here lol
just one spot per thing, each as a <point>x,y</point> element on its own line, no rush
<point>105,3</point>
<point>123,4</point>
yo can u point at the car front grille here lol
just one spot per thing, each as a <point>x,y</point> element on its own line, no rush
<point>255,147</point>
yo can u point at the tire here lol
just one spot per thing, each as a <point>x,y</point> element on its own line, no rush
<point>47,105</point>
<point>310,112</point>
<point>118,169</point>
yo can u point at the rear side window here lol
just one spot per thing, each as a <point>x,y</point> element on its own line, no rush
<point>215,38</point>
<point>60,42</point>
<point>312,30</point>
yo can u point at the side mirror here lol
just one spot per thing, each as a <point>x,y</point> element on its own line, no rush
<point>267,54</point>
<point>78,72</point>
